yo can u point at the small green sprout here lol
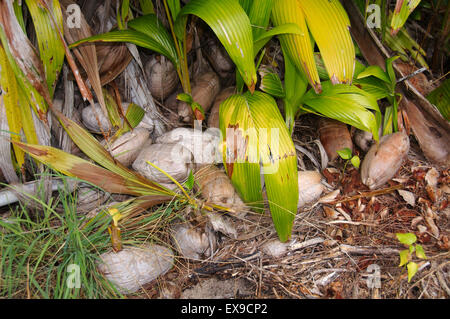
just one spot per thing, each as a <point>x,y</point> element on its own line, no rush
<point>346,154</point>
<point>406,255</point>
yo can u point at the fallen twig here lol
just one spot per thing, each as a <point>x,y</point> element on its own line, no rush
<point>369,194</point>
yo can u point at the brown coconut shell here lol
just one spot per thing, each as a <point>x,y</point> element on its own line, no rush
<point>334,136</point>
<point>204,91</point>
<point>213,118</point>
<point>216,188</point>
<point>382,161</point>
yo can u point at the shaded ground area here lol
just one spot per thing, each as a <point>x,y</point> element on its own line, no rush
<point>338,244</point>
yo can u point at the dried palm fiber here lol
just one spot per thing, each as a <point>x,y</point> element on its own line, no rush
<point>334,136</point>
<point>126,147</point>
<point>222,223</point>
<point>136,90</point>
<point>433,135</point>
<point>86,54</point>
<point>65,103</point>
<point>6,164</point>
<point>204,90</point>
<point>384,160</point>
<point>213,118</point>
<point>133,267</point>
<point>193,242</point>
<point>162,77</point>
<point>216,188</point>
<point>197,63</point>
<point>174,159</point>
<point>204,146</point>
<point>113,58</point>
<point>419,81</point>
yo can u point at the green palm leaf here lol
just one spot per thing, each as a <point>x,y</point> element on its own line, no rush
<point>231,25</point>
<point>347,104</point>
<point>146,31</point>
<point>256,138</point>
<point>329,25</point>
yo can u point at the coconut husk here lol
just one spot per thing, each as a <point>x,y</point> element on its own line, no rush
<point>334,136</point>
<point>216,188</point>
<point>204,146</point>
<point>92,115</point>
<point>133,267</point>
<point>204,91</point>
<point>384,160</point>
<point>309,187</point>
<point>126,148</point>
<point>218,58</point>
<point>162,77</point>
<point>213,118</point>
<point>174,159</point>
<point>193,242</point>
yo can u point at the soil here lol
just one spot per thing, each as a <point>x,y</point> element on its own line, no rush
<point>337,248</point>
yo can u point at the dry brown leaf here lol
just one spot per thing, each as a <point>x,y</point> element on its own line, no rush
<point>86,53</point>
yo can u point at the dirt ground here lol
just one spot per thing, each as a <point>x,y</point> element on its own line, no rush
<point>342,246</point>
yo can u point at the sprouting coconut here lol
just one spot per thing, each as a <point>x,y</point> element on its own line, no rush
<point>216,188</point>
<point>334,136</point>
<point>204,91</point>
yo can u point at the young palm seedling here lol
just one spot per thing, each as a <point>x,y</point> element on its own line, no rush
<point>406,256</point>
